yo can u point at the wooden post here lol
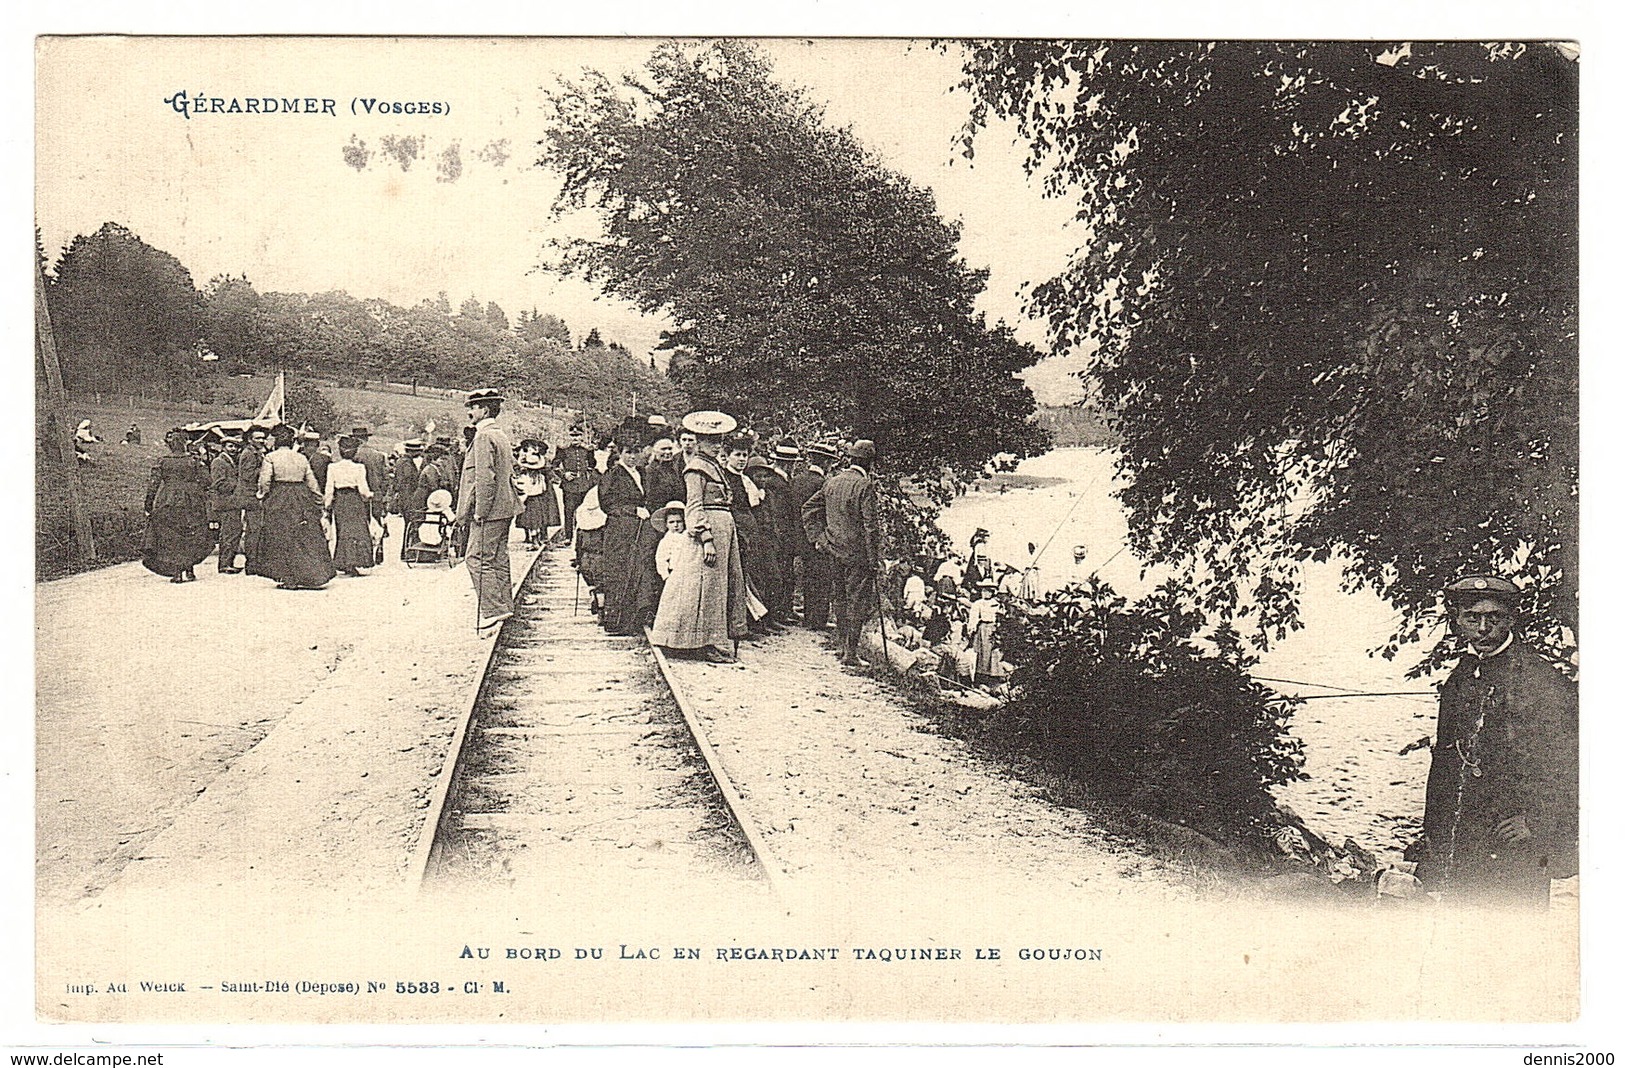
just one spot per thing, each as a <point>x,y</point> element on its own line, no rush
<point>55,404</point>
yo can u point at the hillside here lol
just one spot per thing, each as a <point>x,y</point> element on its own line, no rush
<point>115,481</point>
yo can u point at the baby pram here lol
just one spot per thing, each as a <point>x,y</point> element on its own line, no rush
<point>432,541</point>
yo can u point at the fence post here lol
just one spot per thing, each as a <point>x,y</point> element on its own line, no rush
<point>56,409</point>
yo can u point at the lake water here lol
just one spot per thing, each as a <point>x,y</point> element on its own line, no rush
<point>1359,786</point>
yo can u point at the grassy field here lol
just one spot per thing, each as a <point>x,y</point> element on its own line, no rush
<point>114,482</point>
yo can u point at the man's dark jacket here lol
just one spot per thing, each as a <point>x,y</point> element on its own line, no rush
<point>1526,756</point>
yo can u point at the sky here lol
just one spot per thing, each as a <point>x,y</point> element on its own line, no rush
<point>403,206</point>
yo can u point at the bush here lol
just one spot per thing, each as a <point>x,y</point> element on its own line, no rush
<point>1125,698</point>
<point>306,405</point>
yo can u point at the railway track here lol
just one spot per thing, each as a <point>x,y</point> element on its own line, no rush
<point>578,759</point>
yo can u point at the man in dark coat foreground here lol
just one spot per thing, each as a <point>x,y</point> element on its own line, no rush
<point>1503,793</point>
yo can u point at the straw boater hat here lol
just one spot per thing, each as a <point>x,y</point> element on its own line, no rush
<point>484,396</point>
<point>658,520</point>
<point>710,424</point>
<point>786,451</point>
<point>824,450</point>
<point>414,446</point>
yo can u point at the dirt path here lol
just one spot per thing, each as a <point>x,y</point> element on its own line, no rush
<point>854,791</point>
<point>222,730</point>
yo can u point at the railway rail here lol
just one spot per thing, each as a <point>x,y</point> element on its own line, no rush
<point>578,756</point>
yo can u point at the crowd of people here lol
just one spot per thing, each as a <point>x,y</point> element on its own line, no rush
<point>274,502</point>
<point>707,535</point>
<point>710,535</point>
<point>704,533</point>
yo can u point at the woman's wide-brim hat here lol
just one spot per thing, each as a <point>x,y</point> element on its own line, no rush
<point>438,503</point>
<point>658,520</point>
<point>633,433</point>
<point>710,424</point>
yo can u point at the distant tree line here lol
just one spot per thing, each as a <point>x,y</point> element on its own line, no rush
<point>129,318</point>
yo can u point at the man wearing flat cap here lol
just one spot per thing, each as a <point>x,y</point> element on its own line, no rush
<point>578,476</point>
<point>486,505</point>
<point>1502,812</point>
<point>224,507</point>
<point>841,519</point>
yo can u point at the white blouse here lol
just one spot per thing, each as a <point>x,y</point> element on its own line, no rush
<point>346,474</point>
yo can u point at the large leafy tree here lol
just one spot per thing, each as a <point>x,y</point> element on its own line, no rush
<point>1334,289</point>
<point>126,315</point>
<point>806,281</point>
<point>232,324</point>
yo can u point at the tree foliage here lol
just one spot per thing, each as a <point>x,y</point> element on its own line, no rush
<point>233,323</point>
<point>126,315</point>
<point>1125,698</point>
<point>1334,287</point>
<point>801,274</point>
<point>306,405</point>
<point>128,319</point>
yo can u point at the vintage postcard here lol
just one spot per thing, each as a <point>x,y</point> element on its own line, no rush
<point>584,531</point>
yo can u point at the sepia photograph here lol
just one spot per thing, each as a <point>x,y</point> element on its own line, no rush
<point>804,530</point>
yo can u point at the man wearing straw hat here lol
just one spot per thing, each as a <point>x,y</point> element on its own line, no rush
<point>486,505</point>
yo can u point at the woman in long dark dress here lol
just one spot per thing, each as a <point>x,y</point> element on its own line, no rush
<point>347,500</point>
<point>177,508</point>
<point>623,498</point>
<point>747,513</point>
<point>294,545</point>
<point>662,482</point>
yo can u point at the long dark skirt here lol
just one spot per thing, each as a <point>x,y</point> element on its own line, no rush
<point>590,556</point>
<point>628,545</point>
<point>292,542</point>
<point>178,536</point>
<point>541,510</point>
<point>254,540</point>
<point>352,535</point>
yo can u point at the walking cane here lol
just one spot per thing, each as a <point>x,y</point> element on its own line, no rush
<point>880,612</point>
<point>479,585</point>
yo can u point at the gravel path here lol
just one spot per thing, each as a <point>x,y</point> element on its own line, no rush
<point>228,732</point>
<point>853,790</point>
